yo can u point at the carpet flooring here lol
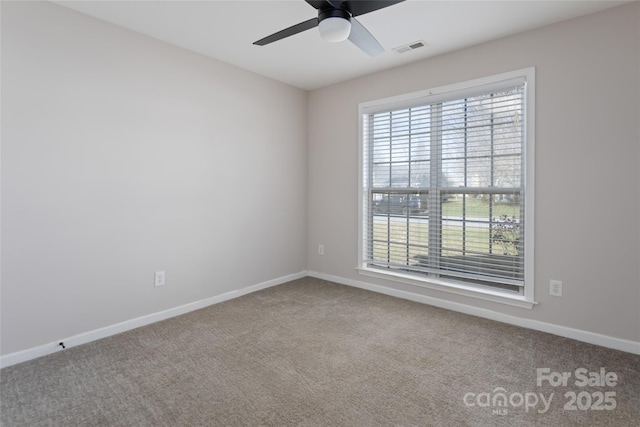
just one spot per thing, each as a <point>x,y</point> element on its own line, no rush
<point>315,353</point>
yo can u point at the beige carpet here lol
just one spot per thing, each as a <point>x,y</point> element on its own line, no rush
<point>314,353</point>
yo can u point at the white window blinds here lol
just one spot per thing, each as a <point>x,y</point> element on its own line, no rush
<point>443,186</point>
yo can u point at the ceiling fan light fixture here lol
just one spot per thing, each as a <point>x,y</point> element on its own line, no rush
<point>335,25</point>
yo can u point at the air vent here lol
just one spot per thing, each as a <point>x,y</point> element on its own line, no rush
<point>411,46</point>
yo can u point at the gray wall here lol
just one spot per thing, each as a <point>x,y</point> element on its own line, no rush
<point>587,154</point>
<point>122,155</point>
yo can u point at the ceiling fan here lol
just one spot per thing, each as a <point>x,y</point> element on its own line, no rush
<point>336,22</point>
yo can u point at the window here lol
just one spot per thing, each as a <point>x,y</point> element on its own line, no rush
<point>445,191</point>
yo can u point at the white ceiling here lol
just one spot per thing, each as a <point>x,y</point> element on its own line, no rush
<point>225,30</point>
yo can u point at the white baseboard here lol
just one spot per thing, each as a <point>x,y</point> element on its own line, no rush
<point>577,334</point>
<point>85,337</point>
<point>563,331</point>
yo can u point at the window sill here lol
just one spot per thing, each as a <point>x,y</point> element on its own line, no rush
<point>453,288</point>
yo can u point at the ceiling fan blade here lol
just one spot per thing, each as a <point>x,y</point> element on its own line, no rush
<point>362,38</point>
<point>360,7</point>
<point>295,29</point>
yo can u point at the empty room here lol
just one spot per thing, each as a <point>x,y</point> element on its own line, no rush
<point>320,213</point>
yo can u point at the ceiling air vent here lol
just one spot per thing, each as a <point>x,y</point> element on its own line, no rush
<point>409,47</point>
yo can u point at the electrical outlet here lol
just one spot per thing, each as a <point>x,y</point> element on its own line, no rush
<point>555,288</point>
<point>320,249</point>
<point>159,278</point>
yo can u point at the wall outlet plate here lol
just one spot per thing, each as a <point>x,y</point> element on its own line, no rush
<point>555,288</point>
<point>159,278</point>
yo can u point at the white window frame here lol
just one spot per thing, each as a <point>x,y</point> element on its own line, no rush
<point>429,96</point>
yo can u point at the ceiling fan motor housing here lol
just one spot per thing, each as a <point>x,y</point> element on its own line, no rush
<point>333,13</point>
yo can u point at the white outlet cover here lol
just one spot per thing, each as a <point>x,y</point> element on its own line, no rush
<point>555,288</point>
<point>159,278</point>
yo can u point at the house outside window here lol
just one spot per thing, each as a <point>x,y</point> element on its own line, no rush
<point>447,187</point>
